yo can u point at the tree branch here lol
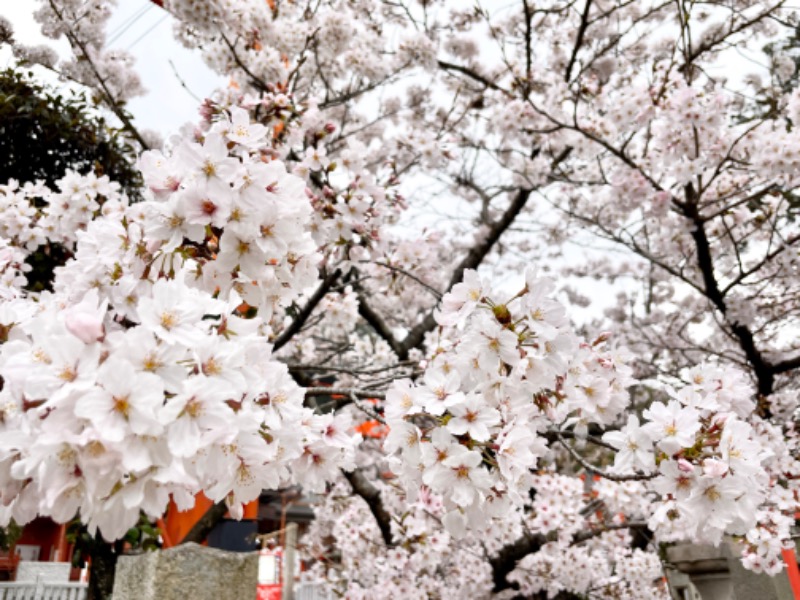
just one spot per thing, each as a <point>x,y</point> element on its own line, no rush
<point>305,312</point>
<point>506,560</point>
<point>763,371</point>
<point>579,40</point>
<point>472,260</point>
<point>471,74</point>
<point>109,98</point>
<point>786,365</point>
<point>508,557</point>
<point>592,469</point>
<point>372,496</point>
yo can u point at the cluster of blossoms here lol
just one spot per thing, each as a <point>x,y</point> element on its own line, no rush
<point>85,23</point>
<point>12,270</point>
<point>33,214</point>
<point>474,427</point>
<point>720,469</point>
<point>148,372</point>
<point>609,568</point>
<point>587,524</point>
<point>424,560</point>
<point>218,207</point>
<point>351,199</point>
<point>576,526</point>
<point>351,207</point>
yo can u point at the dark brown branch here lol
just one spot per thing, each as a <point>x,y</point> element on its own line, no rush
<point>345,97</point>
<point>528,48</point>
<point>297,324</point>
<point>588,534</point>
<point>693,55</point>
<point>579,40</point>
<point>257,81</point>
<point>498,228</point>
<point>604,474</point>
<point>508,557</point>
<point>199,532</point>
<point>784,366</point>
<point>760,264</point>
<point>112,103</point>
<point>471,74</point>
<point>370,494</point>
<point>411,276</point>
<point>506,560</point>
<point>332,391</point>
<point>381,328</point>
<point>472,260</point>
<point>763,371</point>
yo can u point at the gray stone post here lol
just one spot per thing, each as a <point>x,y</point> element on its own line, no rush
<point>288,562</point>
<point>187,571</point>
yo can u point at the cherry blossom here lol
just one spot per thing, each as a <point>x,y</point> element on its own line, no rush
<point>329,282</point>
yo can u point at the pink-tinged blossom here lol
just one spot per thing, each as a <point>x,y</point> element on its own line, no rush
<point>674,480</point>
<point>741,453</point>
<point>518,451</point>
<point>462,299</point>
<point>209,164</point>
<point>441,391</point>
<point>713,506</point>
<point>634,447</point>
<point>175,312</point>
<point>495,345</point>
<point>198,416</point>
<point>85,320</point>
<point>242,131</point>
<point>671,426</point>
<point>123,402</point>
<point>463,476</point>
<point>433,454</point>
<point>168,221</point>
<point>401,400</point>
<point>203,207</point>
<point>472,417</point>
<point>404,437</point>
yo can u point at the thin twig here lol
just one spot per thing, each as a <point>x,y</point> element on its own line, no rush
<point>603,474</point>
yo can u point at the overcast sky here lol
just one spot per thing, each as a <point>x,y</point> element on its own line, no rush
<point>146,31</point>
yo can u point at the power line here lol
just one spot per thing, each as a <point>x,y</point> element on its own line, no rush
<point>125,25</point>
<point>156,24</point>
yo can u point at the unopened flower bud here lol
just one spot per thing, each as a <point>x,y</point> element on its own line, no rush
<point>86,327</point>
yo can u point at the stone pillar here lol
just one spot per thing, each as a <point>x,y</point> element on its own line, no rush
<point>187,571</point>
<point>287,592</point>
<point>717,574</point>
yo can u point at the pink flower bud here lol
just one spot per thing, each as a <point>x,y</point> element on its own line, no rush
<point>86,327</point>
<point>685,466</point>
<point>714,468</point>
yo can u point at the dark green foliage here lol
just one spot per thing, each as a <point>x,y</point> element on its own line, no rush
<point>42,134</point>
<point>9,535</point>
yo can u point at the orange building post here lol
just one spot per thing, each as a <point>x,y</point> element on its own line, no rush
<point>176,524</point>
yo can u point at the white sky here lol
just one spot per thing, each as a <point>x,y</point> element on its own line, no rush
<point>146,31</point>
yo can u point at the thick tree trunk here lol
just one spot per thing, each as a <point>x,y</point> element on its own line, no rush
<point>104,566</point>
